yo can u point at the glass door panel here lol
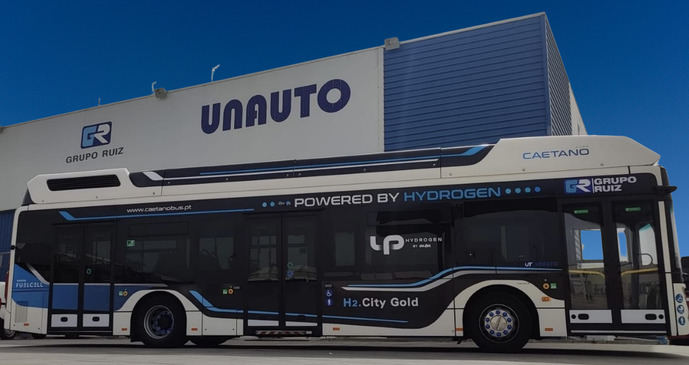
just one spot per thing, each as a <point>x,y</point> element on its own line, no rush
<point>639,265</point>
<point>586,265</point>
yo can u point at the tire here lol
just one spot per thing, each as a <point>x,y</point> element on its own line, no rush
<point>6,334</point>
<point>208,341</point>
<point>38,336</point>
<point>499,322</point>
<point>161,322</point>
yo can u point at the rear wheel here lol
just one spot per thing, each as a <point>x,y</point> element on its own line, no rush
<point>6,334</point>
<point>208,341</point>
<point>161,322</point>
<point>500,322</point>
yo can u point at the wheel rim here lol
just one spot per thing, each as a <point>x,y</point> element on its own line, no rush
<point>159,322</point>
<point>499,323</point>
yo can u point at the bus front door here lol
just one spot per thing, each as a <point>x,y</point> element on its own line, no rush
<point>80,293</point>
<point>283,290</point>
<point>613,267</point>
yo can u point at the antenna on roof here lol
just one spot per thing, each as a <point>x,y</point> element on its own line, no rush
<point>213,70</point>
<point>160,92</point>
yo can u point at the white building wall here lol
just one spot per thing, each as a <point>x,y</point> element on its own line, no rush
<point>152,133</point>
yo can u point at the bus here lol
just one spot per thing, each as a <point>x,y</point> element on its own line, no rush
<point>523,239</point>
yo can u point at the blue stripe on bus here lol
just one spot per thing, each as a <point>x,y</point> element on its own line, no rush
<point>470,152</point>
<point>66,215</point>
<point>263,312</point>
<point>450,270</point>
<point>301,315</point>
<point>212,308</point>
<point>365,319</point>
<point>223,310</point>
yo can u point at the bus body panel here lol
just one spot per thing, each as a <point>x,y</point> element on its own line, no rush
<point>431,215</point>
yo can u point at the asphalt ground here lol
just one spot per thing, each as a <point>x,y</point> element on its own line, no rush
<point>328,351</point>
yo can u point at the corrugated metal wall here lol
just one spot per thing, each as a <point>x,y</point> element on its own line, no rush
<point>558,88</point>
<point>6,220</point>
<point>465,88</point>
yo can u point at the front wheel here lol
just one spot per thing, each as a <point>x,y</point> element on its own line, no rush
<point>161,322</point>
<point>500,322</point>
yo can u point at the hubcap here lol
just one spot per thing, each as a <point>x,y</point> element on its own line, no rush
<point>498,322</point>
<point>159,321</point>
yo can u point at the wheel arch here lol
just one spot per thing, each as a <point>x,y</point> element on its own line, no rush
<point>150,295</point>
<point>479,293</point>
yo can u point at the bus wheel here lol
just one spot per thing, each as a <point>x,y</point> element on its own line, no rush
<point>7,334</point>
<point>161,322</point>
<point>208,341</point>
<point>500,322</point>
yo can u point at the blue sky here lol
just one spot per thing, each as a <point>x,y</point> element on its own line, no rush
<point>628,62</point>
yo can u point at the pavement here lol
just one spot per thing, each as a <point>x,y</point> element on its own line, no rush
<point>374,351</point>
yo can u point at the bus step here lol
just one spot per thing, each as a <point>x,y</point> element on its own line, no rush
<point>277,333</point>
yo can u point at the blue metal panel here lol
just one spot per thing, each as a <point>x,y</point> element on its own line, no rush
<point>96,297</point>
<point>28,290</point>
<point>6,220</point>
<point>558,88</point>
<point>66,296</point>
<point>469,87</point>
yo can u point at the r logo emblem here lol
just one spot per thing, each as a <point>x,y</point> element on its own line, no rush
<point>96,135</point>
<point>577,186</point>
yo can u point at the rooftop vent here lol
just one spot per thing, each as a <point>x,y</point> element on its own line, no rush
<point>85,182</point>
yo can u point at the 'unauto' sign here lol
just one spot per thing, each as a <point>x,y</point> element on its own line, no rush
<point>332,97</point>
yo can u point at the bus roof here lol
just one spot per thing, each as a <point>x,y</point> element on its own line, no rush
<point>508,156</point>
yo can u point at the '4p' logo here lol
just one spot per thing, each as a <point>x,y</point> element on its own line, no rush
<point>391,242</point>
<point>96,135</point>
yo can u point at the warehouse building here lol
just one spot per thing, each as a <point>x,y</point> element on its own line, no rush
<point>464,87</point>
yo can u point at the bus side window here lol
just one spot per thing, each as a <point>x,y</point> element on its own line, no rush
<point>35,241</point>
<point>518,233</point>
<point>216,253</point>
<point>157,252</point>
<point>343,239</point>
<point>404,244</point>
<point>217,243</point>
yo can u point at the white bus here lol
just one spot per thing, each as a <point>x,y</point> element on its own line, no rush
<point>528,238</point>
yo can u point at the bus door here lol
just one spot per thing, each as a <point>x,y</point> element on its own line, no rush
<point>80,291</point>
<point>613,266</point>
<point>283,289</point>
